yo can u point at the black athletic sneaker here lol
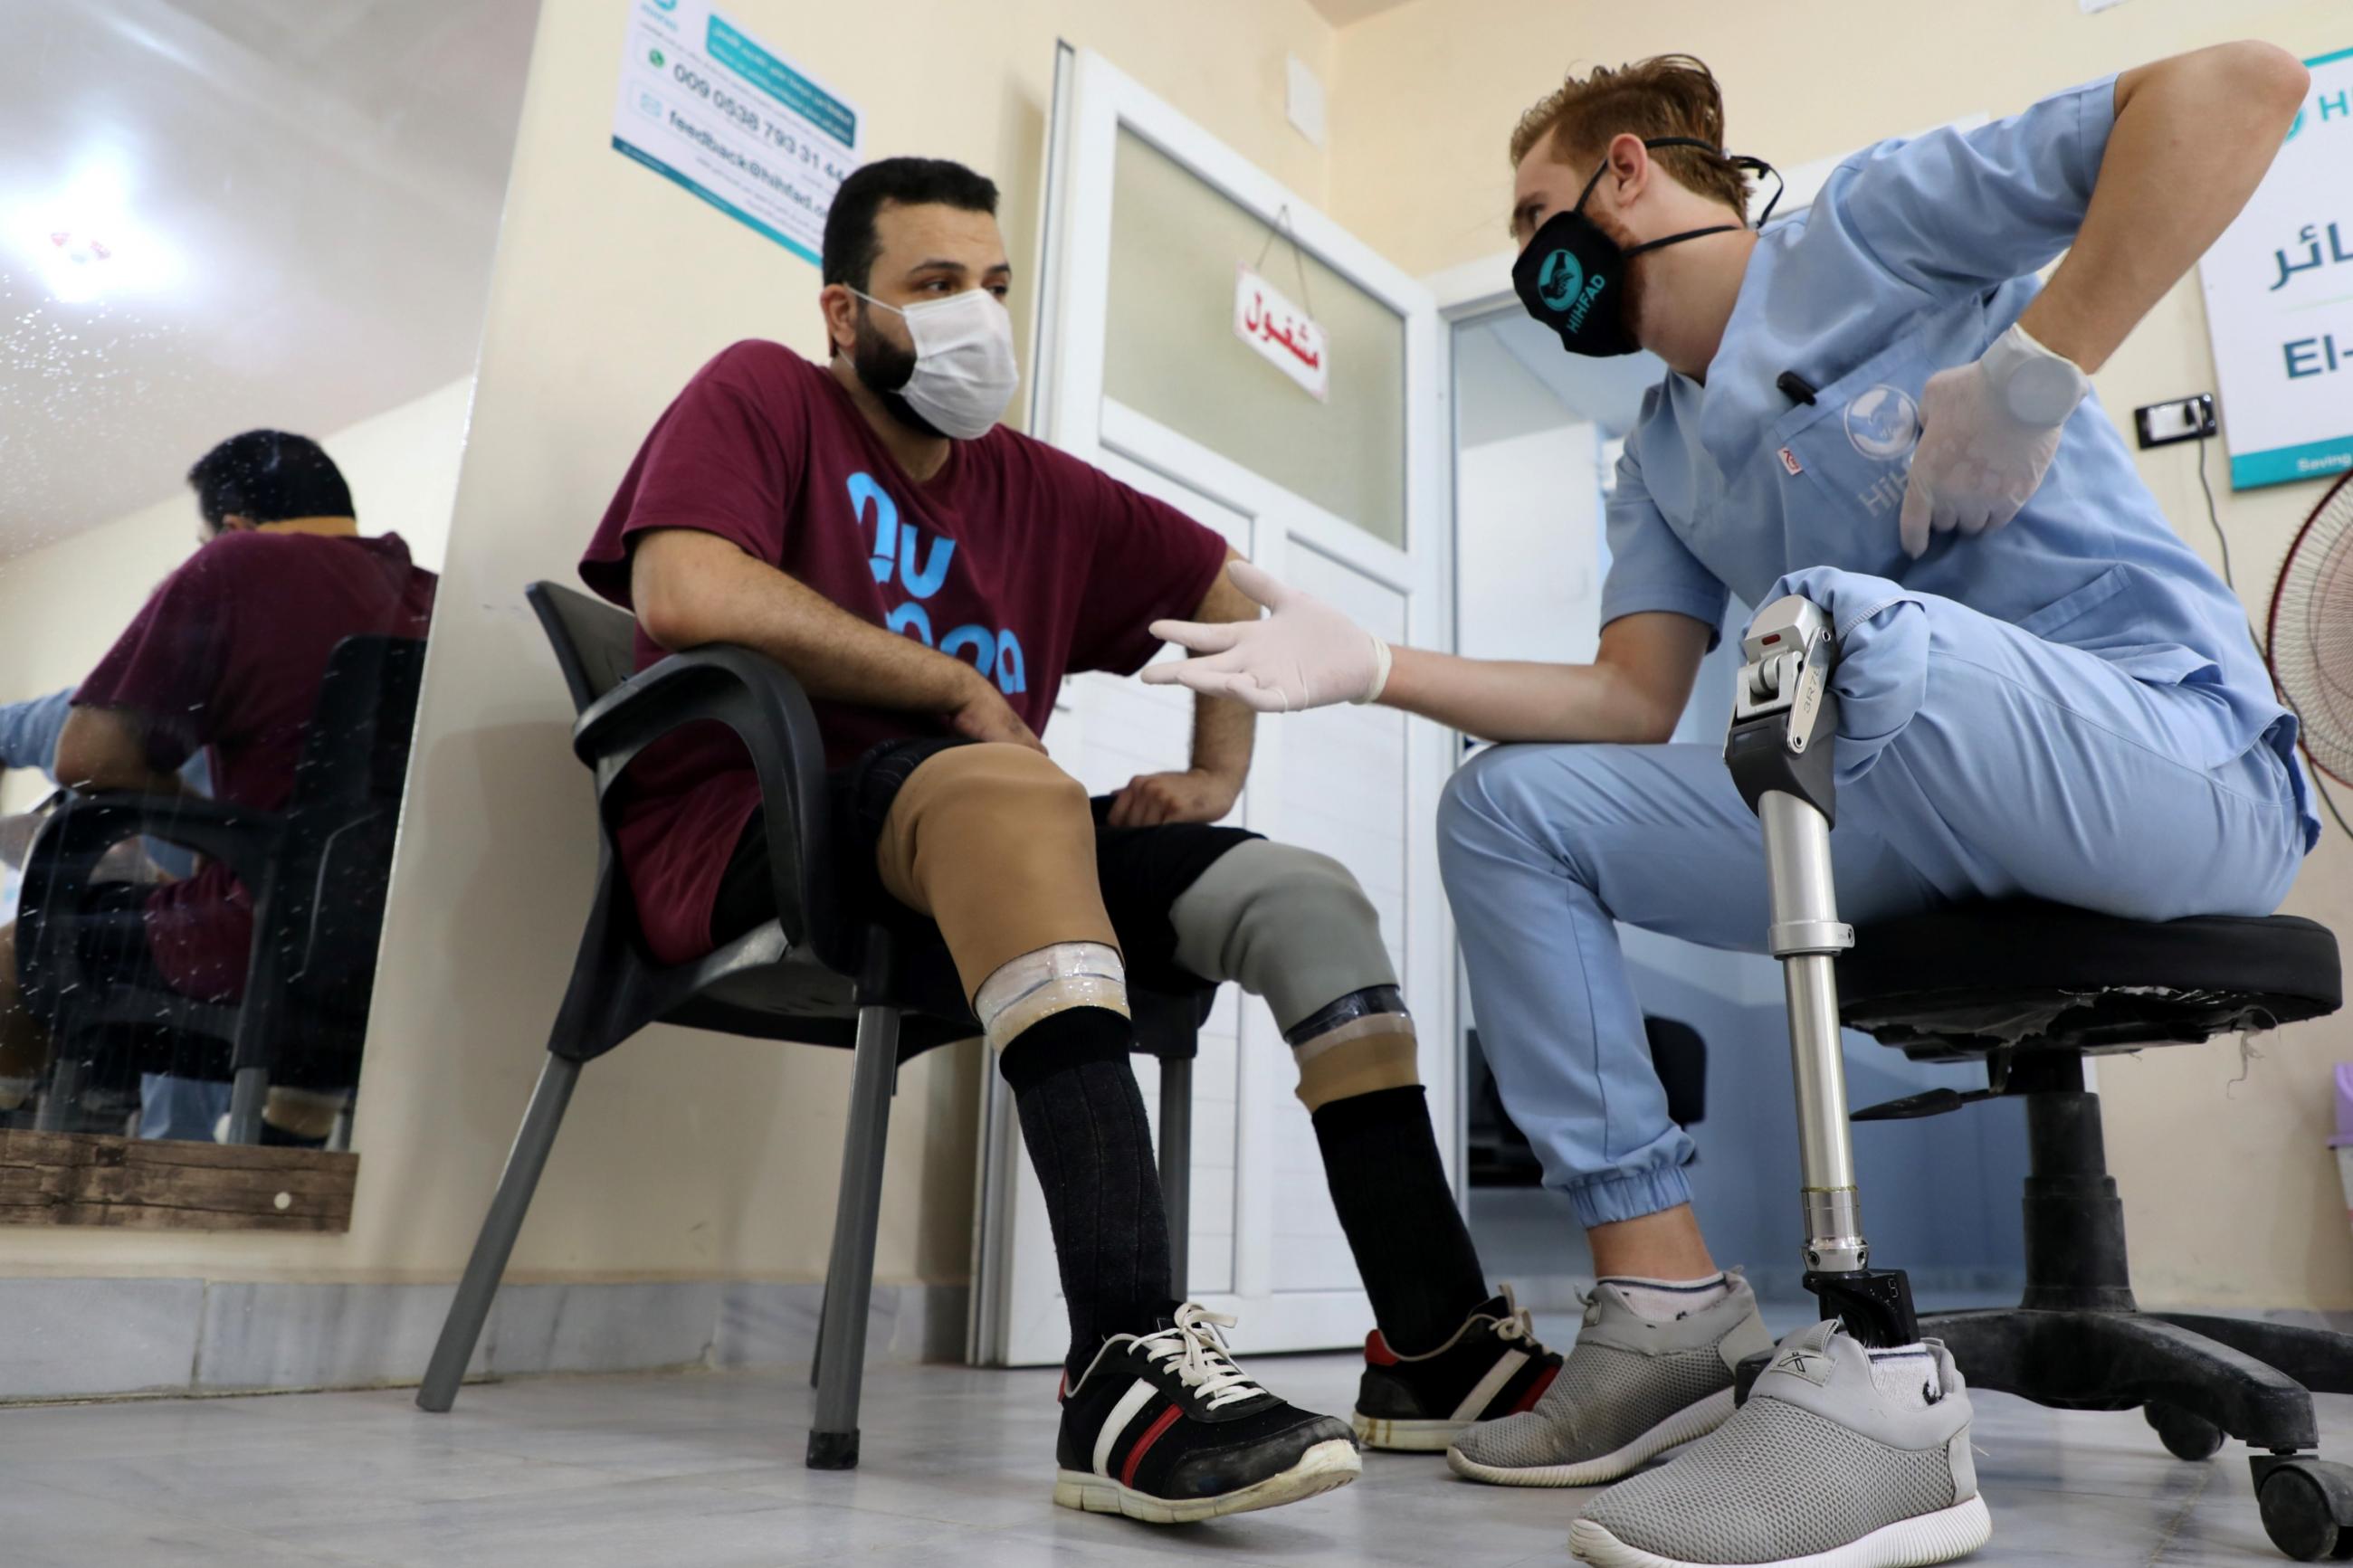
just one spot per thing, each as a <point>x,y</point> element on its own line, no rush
<point>1165,1428</point>
<point>1492,1367</point>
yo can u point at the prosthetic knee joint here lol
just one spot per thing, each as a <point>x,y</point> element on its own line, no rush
<point>1780,749</point>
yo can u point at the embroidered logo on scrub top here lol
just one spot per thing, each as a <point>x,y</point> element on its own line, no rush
<point>1559,279</point>
<point>1883,422</point>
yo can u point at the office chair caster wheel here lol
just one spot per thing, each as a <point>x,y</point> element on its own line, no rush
<point>2185,1435</point>
<point>2308,1507</point>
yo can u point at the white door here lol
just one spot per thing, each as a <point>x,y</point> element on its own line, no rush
<point>1139,372</point>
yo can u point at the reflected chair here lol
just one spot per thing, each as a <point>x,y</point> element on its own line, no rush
<point>316,870</point>
<point>810,975</point>
<point>2031,989</point>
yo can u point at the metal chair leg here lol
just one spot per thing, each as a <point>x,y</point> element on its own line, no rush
<point>850,1275</point>
<point>1176,1165</point>
<point>247,1096</point>
<point>59,1099</point>
<point>816,1353</point>
<point>472,1306</point>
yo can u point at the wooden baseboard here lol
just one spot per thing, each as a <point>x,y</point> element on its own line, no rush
<point>136,1183</point>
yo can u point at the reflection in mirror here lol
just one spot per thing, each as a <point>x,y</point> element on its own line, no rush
<point>243,251</point>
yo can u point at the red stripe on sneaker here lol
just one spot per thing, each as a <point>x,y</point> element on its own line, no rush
<point>1152,1434</point>
<point>1377,1351</point>
<point>1536,1389</point>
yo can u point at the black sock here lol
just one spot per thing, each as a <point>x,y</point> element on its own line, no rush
<point>1083,1120</point>
<point>1411,1246</point>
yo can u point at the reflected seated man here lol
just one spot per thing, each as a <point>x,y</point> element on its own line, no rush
<point>930,577</point>
<point>226,658</point>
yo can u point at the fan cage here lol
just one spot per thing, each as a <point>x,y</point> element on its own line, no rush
<point>2309,639</point>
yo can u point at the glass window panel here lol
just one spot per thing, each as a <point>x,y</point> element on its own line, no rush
<point>1171,354</point>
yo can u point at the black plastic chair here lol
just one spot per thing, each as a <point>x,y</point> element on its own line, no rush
<point>809,975</point>
<point>316,870</point>
<point>2031,989</point>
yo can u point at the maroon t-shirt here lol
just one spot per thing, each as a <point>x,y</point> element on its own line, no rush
<point>229,653</point>
<point>1016,558</point>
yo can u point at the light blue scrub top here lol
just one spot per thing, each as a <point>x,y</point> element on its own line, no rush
<point>1915,255</point>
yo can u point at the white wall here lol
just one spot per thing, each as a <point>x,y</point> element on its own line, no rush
<point>1527,555</point>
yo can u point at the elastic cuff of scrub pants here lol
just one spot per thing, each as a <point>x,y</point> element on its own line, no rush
<point>1882,657</point>
<point>1630,1195</point>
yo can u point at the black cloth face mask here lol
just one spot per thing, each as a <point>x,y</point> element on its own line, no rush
<point>1572,277</point>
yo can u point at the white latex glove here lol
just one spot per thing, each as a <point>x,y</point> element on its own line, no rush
<point>1306,654</point>
<point>1988,432</point>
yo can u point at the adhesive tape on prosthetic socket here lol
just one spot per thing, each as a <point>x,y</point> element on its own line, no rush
<point>1358,1045</point>
<point>1371,1026</point>
<point>1371,1001</point>
<point>1052,980</point>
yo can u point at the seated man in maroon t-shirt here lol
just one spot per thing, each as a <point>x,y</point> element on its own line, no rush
<point>228,653</point>
<point>930,577</point>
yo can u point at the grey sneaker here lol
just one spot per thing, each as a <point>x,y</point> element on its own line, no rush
<point>1834,1462</point>
<point>1632,1388</point>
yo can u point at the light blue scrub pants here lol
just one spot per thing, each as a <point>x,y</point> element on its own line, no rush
<point>1975,761</point>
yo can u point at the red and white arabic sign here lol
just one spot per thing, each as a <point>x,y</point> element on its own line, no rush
<point>1283,333</point>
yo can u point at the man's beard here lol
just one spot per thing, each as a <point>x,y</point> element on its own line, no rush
<point>885,368</point>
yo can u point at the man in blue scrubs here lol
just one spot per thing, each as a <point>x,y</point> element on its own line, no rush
<point>2044,693</point>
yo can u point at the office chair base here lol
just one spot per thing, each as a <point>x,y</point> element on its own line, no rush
<point>2078,1342</point>
<point>2307,1505</point>
<point>833,1451</point>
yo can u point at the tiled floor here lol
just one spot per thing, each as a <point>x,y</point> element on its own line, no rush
<point>705,1469</point>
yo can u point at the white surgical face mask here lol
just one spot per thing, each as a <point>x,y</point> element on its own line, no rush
<point>964,370</point>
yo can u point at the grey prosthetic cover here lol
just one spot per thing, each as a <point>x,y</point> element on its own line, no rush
<point>1285,923</point>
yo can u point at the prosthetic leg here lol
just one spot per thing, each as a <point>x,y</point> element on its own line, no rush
<point>1783,732</point>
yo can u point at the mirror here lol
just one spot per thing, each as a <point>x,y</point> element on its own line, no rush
<point>245,246</point>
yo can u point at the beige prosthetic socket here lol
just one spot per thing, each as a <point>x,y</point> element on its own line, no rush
<point>997,844</point>
<point>305,1113</point>
<point>1376,1051</point>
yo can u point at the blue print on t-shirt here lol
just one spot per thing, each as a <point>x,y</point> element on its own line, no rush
<point>996,654</point>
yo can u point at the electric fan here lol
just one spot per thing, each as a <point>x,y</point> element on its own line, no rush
<point>2310,640</point>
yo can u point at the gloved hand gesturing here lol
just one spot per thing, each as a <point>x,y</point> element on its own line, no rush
<point>1305,654</point>
<point>1988,432</point>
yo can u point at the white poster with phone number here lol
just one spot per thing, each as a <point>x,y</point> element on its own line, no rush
<point>2279,298</point>
<point>706,105</point>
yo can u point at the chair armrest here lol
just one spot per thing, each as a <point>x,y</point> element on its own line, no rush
<point>66,852</point>
<point>759,698</point>
<point>84,827</point>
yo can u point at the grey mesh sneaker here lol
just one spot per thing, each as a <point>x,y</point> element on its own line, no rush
<point>1842,1457</point>
<point>1632,1388</point>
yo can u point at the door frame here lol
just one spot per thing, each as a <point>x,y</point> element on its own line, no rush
<point>1093,103</point>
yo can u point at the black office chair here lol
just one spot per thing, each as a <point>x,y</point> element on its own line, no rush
<point>316,870</point>
<point>2031,989</point>
<point>809,975</point>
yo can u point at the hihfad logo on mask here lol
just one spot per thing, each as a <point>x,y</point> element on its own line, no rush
<point>1883,422</point>
<point>1563,285</point>
<point>920,565</point>
<point>1559,279</point>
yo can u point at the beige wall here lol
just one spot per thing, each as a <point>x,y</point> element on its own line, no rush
<point>685,1155</point>
<point>62,606</point>
<point>2229,1193</point>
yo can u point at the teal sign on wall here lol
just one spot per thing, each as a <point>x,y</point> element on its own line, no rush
<point>709,107</point>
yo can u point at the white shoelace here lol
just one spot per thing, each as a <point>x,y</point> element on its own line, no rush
<point>1199,1356</point>
<point>1516,1324</point>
